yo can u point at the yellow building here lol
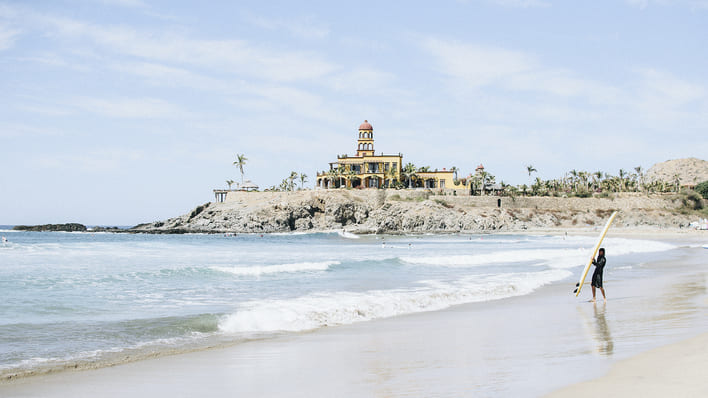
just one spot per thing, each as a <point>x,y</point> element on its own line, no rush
<point>368,170</point>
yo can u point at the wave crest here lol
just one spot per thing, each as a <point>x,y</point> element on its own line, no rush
<point>278,268</point>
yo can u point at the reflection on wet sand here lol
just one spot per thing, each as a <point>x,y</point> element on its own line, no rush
<point>602,331</point>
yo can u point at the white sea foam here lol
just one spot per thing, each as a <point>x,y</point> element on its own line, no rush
<point>348,235</point>
<point>556,258</point>
<point>329,309</point>
<point>257,270</point>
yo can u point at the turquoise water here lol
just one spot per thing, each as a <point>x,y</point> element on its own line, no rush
<point>83,298</point>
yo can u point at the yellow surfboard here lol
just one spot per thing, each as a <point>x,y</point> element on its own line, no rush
<point>579,285</point>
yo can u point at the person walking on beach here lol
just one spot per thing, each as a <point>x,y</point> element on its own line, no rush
<point>597,275</point>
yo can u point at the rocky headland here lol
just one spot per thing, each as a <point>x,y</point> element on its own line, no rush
<point>404,211</point>
<point>68,227</point>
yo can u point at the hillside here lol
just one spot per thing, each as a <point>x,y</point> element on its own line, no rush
<point>691,171</point>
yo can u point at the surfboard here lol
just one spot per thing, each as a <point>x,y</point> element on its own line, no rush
<point>579,285</point>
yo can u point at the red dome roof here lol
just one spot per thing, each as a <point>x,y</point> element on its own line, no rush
<point>365,126</point>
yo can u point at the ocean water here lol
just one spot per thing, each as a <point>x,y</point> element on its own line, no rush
<point>92,299</point>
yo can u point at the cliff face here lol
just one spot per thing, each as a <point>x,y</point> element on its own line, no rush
<point>379,211</point>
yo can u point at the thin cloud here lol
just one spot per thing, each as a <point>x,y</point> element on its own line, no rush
<point>224,55</point>
<point>7,37</point>
<point>305,28</point>
<point>143,108</point>
<point>477,65</point>
<point>691,4</point>
<point>521,3</point>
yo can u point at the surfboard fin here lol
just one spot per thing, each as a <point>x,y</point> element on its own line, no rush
<point>577,284</point>
<point>575,291</point>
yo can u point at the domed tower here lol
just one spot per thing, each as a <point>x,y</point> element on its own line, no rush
<point>365,144</point>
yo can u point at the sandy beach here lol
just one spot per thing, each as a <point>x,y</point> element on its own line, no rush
<point>649,335</point>
<point>650,339</point>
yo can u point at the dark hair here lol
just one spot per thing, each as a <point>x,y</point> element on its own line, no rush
<point>602,250</point>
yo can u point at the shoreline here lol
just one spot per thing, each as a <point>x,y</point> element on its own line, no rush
<point>412,346</point>
<point>676,369</point>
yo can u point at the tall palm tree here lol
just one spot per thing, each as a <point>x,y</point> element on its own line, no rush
<point>291,179</point>
<point>331,176</point>
<point>408,171</point>
<point>392,174</point>
<point>350,176</point>
<point>303,180</point>
<point>240,162</point>
<point>574,175</point>
<point>530,169</point>
<point>623,182</point>
<point>597,176</point>
<point>640,174</point>
<point>340,174</point>
<point>483,176</point>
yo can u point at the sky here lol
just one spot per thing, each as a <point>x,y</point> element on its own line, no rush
<point>117,112</point>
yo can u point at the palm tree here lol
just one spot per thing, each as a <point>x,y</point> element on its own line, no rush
<point>340,174</point>
<point>291,179</point>
<point>530,169</point>
<point>623,182</point>
<point>640,174</point>
<point>454,170</point>
<point>408,172</point>
<point>677,181</point>
<point>331,176</point>
<point>230,183</point>
<point>574,175</point>
<point>303,180</point>
<point>597,176</point>
<point>392,174</point>
<point>350,176</point>
<point>240,162</point>
<point>483,176</point>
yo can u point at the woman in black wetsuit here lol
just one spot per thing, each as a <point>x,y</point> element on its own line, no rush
<point>597,275</point>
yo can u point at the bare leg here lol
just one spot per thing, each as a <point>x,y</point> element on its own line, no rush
<point>593,295</point>
<point>602,289</point>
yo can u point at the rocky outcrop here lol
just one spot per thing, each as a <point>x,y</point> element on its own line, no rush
<point>69,227</point>
<point>378,211</point>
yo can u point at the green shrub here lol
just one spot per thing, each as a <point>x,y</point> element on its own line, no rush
<point>702,189</point>
<point>443,203</point>
<point>693,201</point>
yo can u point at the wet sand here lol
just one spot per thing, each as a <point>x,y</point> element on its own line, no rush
<point>524,346</point>
<point>676,370</point>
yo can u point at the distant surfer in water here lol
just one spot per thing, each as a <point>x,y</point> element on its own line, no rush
<point>597,275</point>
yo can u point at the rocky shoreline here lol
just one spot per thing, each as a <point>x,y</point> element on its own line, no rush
<point>392,212</point>
<point>67,227</point>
